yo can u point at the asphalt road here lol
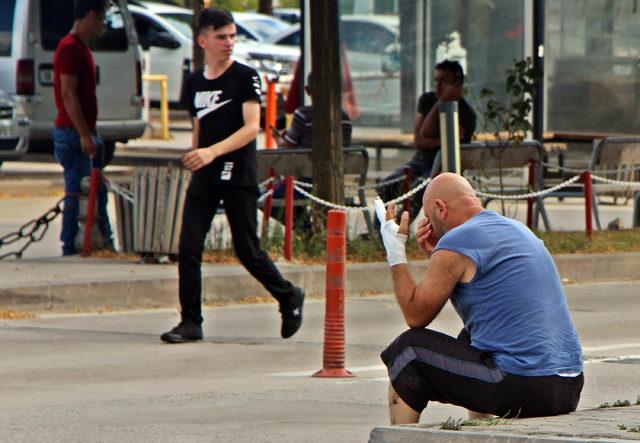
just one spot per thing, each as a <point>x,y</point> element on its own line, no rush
<point>107,377</point>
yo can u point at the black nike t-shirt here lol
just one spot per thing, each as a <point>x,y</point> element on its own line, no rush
<point>217,104</point>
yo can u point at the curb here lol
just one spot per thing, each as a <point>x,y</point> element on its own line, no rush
<point>586,425</point>
<point>233,283</point>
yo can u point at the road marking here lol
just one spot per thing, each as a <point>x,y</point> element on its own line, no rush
<point>611,359</point>
<point>308,373</point>
<point>610,347</point>
<point>358,369</point>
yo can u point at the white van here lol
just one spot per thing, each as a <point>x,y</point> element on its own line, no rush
<point>29,34</point>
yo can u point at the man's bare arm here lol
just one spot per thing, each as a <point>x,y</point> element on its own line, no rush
<point>195,134</point>
<point>420,303</point>
<point>198,158</point>
<point>71,101</point>
<point>421,142</point>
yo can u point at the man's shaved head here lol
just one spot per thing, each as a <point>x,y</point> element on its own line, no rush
<point>449,201</point>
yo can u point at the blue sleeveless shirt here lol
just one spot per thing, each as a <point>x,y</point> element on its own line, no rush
<point>514,307</point>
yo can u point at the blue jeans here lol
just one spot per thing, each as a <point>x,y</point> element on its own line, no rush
<point>76,164</point>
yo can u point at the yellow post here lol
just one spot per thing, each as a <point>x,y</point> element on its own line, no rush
<point>164,102</point>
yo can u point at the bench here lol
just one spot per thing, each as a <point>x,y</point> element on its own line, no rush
<point>616,158</point>
<point>494,155</point>
<point>297,162</point>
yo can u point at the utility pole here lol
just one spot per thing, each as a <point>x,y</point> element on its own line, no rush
<point>328,167</point>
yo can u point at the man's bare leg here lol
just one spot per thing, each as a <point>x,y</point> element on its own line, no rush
<point>400,412</point>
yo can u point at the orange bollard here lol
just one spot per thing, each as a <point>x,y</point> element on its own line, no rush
<point>530,201</point>
<point>588,199</point>
<point>270,114</point>
<point>91,210</point>
<point>288,218</point>
<point>334,346</point>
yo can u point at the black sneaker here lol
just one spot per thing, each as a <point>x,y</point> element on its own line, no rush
<point>184,332</point>
<point>291,312</point>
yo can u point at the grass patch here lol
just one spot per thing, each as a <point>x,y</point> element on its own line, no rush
<point>451,424</point>
<point>603,241</point>
<point>615,404</point>
<point>16,315</point>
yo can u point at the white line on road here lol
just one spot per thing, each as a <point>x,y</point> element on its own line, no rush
<point>610,347</point>
<point>358,369</point>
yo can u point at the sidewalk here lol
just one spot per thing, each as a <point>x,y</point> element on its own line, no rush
<point>590,424</point>
<point>76,283</point>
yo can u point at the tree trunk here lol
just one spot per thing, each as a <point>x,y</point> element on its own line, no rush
<point>328,175</point>
<point>197,53</point>
<point>265,7</point>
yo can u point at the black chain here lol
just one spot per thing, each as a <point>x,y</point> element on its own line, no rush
<point>34,230</point>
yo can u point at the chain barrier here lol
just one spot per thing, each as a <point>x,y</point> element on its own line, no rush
<point>118,190</point>
<point>531,194</point>
<point>318,200</point>
<point>615,182</point>
<point>579,171</point>
<point>264,183</point>
<point>264,196</point>
<point>34,230</point>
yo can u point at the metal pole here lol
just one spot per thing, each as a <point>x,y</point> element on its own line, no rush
<point>588,199</point>
<point>532,186</point>
<point>449,137</point>
<point>91,211</point>
<point>538,64</point>
<point>288,218</point>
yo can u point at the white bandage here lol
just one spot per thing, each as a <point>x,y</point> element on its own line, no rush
<point>394,243</point>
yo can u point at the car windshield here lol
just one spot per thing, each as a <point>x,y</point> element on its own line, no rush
<point>266,28</point>
<point>182,22</point>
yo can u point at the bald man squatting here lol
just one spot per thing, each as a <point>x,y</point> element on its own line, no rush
<point>518,354</point>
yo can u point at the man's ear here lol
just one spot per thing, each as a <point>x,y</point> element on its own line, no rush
<point>201,41</point>
<point>442,207</point>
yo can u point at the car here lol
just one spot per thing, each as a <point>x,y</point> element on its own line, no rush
<point>371,41</point>
<point>165,34</point>
<point>29,34</point>
<point>14,129</point>
<point>289,15</point>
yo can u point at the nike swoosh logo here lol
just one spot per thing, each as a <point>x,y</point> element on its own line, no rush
<point>201,113</point>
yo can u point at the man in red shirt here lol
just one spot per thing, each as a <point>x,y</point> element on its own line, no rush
<point>76,144</point>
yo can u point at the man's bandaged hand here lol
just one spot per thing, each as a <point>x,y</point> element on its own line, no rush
<point>394,237</point>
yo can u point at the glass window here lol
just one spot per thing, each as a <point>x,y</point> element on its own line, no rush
<point>6,25</point>
<point>292,39</point>
<point>57,21</point>
<point>182,22</point>
<point>591,66</point>
<point>266,28</point>
<point>146,29</point>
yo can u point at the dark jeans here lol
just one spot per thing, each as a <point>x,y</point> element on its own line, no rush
<point>426,365</point>
<point>301,214</point>
<point>77,165</point>
<point>420,166</point>
<point>241,208</point>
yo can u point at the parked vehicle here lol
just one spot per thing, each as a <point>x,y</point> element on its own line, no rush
<point>14,129</point>
<point>29,34</point>
<point>165,32</point>
<point>371,41</point>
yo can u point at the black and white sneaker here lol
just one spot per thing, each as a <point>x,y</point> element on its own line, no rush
<point>291,312</point>
<point>183,333</point>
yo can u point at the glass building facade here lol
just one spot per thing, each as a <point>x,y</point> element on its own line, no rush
<point>591,57</point>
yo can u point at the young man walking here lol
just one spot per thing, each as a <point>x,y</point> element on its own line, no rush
<point>224,101</point>
<point>76,145</point>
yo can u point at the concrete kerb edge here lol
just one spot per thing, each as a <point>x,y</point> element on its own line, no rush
<point>236,284</point>
<point>415,434</point>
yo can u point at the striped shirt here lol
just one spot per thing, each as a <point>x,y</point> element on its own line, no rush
<point>301,131</point>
